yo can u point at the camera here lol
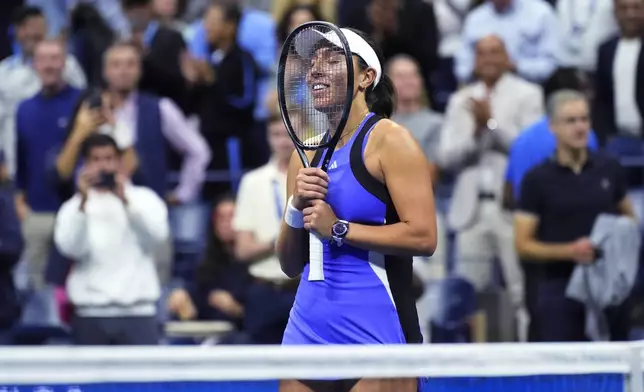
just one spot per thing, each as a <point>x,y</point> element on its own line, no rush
<point>95,100</point>
<point>106,181</point>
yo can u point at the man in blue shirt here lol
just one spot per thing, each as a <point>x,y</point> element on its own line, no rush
<point>41,126</point>
<point>534,145</point>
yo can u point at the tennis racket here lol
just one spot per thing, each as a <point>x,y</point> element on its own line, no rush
<point>315,90</point>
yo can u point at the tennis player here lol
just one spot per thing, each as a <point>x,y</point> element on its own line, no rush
<point>374,209</point>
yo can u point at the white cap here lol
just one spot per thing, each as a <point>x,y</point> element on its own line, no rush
<point>306,42</point>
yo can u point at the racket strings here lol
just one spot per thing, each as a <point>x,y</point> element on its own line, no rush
<point>315,85</point>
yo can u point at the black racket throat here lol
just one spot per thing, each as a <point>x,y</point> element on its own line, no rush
<point>296,85</point>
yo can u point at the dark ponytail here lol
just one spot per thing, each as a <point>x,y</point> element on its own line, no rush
<point>380,99</point>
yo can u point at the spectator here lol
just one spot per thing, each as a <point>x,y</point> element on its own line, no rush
<point>293,17</point>
<point>619,96</point>
<point>255,34</point>
<point>228,101</point>
<point>534,145</point>
<point>142,124</point>
<point>560,200</point>
<point>111,229</point>
<point>90,36</point>
<point>399,26</point>
<point>41,124</point>
<point>529,29</point>
<point>481,122</point>
<point>165,69</point>
<point>219,289</point>
<point>585,25</point>
<point>411,107</point>
<point>11,246</point>
<point>20,81</point>
<point>425,125</point>
<point>260,203</point>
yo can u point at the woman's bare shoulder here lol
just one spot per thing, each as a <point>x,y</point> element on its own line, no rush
<point>388,135</point>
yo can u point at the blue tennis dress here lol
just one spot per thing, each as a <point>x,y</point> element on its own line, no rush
<point>366,297</point>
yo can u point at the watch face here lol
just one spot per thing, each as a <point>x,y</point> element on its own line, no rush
<point>340,229</point>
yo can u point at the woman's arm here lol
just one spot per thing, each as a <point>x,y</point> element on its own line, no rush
<point>406,173</point>
<point>290,247</point>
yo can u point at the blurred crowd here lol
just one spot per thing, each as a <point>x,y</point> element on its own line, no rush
<point>143,165</point>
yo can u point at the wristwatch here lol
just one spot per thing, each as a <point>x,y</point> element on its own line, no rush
<point>339,230</point>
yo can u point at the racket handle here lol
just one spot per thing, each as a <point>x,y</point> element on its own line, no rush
<point>316,255</point>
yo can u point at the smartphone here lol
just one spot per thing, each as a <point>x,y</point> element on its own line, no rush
<point>106,181</point>
<point>95,100</point>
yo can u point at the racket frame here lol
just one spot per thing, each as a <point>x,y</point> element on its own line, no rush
<point>281,94</point>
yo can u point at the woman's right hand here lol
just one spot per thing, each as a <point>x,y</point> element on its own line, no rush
<point>88,120</point>
<point>310,184</point>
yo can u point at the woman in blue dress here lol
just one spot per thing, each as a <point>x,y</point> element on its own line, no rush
<point>374,210</point>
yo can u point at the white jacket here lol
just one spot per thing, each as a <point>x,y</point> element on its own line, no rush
<point>113,247</point>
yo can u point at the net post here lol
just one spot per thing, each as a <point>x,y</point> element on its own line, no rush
<point>636,379</point>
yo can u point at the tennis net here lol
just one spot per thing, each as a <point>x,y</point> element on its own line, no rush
<point>595,367</point>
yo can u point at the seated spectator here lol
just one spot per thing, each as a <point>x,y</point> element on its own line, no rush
<point>399,27</point>
<point>529,29</point>
<point>90,36</point>
<point>111,229</point>
<point>481,122</point>
<point>41,126</point>
<point>221,281</point>
<point>11,246</point>
<point>260,203</point>
<point>560,200</point>
<point>619,88</point>
<point>293,17</point>
<point>20,81</point>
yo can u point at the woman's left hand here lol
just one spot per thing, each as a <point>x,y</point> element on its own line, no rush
<point>319,218</point>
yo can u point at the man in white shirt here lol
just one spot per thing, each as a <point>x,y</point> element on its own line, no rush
<point>481,122</point>
<point>111,229</point>
<point>18,79</point>
<point>529,29</point>
<point>260,203</point>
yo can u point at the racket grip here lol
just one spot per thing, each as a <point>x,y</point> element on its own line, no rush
<point>316,255</point>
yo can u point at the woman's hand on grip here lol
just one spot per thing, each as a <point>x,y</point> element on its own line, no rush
<point>319,218</point>
<point>310,184</point>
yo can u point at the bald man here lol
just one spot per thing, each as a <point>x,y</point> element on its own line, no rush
<point>481,121</point>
